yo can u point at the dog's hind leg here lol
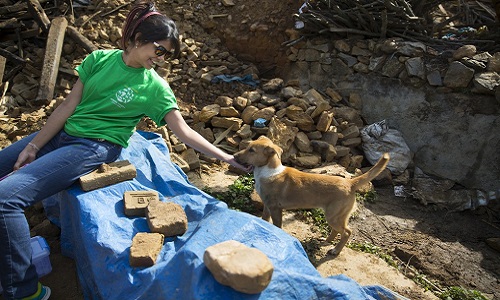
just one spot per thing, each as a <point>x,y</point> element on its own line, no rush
<point>332,236</point>
<point>344,237</point>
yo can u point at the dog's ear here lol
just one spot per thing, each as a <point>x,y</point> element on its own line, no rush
<point>269,151</point>
<point>262,137</point>
<point>272,150</point>
<point>278,151</point>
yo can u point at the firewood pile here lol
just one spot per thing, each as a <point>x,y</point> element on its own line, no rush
<point>432,22</point>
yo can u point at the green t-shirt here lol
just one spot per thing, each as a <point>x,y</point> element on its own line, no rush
<point>116,97</point>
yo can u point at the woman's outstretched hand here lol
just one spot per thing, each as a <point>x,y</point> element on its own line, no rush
<point>234,163</point>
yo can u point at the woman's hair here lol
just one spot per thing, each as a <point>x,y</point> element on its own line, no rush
<point>144,24</point>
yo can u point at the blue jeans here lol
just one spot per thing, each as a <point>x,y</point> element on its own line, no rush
<point>58,165</point>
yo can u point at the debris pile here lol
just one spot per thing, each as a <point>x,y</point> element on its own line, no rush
<point>438,23</point>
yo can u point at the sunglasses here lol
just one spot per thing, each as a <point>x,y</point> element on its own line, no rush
<point>162,51</point>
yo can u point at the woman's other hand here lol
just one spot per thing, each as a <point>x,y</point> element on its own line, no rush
<point>26,156</point>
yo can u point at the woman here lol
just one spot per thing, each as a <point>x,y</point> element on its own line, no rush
<point>115,89</point>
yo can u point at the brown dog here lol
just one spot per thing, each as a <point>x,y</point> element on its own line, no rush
<point>282,187</point>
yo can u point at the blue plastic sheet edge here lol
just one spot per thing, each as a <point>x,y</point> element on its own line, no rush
<point>96,233</point>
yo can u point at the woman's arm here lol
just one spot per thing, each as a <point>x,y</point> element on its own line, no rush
<point>193,139</point>
<point>53,125</point>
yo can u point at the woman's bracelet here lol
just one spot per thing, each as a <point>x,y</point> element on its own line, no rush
<point>34,146</point>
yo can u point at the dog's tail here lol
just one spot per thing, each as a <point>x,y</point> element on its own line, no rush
<point>358,182</point>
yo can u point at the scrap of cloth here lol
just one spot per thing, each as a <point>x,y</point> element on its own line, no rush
<point>247,79</point>
<point>97,234</point>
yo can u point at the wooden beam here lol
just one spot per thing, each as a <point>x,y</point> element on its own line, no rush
<point>81,39</point>
<point>51,60</point>
<point>3,60</point>
<point>38,14</point>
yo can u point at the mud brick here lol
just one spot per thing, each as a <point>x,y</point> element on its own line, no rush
<point>145,249</point>
<point>352,142</point>
<point>342,151</point>
<point>325,121</point>
<point>108,174</point>
<point>167,218</point>
<point>179,147</point>
<point>191,158</point>
<point>178,160</point>
<point>351,132</point>
<point>137,201</point>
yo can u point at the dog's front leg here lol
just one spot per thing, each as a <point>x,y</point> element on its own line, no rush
<point>276,215</point>
<point>266,214</point>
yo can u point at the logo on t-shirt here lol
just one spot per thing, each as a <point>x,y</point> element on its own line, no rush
<point>123,97</point>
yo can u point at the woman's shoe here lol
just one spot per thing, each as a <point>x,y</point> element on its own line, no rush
<point>42,293</point>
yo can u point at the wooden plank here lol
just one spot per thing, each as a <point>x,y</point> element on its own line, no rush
<point>81,39</point>
<point>27,34</point>
<point>7,10</point>
<point>51,60</point>
<point>3,60</point>
<point>38,14</point>
<point>10,24</point>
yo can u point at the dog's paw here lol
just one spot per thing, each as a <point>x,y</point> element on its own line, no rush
<point>333,252</point>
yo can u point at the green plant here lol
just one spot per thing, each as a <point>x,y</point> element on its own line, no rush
<point>312,247</point>
<point>237,196</point>
<point>372,249</point>
<point>460,293</point>
<point>317,217</point>
<point>370,196</point>
<point>425,283</point>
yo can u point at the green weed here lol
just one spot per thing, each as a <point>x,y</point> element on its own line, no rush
<point>316,216</point>
<point>237,196</point>
<point>370,196</point>
<point>459,293</point>
<point>372,249</point>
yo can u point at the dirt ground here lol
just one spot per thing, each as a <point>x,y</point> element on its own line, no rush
<point>441,248</point>
<point>438,247</point>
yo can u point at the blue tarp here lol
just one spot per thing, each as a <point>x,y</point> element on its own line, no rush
<point>96,233</point>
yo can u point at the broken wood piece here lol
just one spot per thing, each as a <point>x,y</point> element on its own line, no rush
<point>51,60</point>
<point>6,10</point>
<point>218,16</point>
<point>90,18</point>
<point>223,135</point>
<point>26,34</point>
<point>68,71</point>
<point>114,9</point>
<point>31,70</point>
<point>38,14</point>
<point>10,24</point>
<point>12,57</point>
<point>3,60</point>
<point>108,174</point>
<point>81,39</point>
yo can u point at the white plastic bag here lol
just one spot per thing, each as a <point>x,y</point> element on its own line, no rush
<point>378,138</point>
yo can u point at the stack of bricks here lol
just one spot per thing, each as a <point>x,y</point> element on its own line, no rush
<point>165,219</point>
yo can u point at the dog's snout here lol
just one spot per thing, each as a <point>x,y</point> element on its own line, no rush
<point>237,157</point>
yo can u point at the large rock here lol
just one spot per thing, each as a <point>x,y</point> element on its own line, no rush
<point>458,145</point>
<point>247,270</point>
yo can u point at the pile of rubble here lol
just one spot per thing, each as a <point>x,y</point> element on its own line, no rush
<point>311,129</point>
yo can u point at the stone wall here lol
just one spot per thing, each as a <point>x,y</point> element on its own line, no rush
<point>446,104</point>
